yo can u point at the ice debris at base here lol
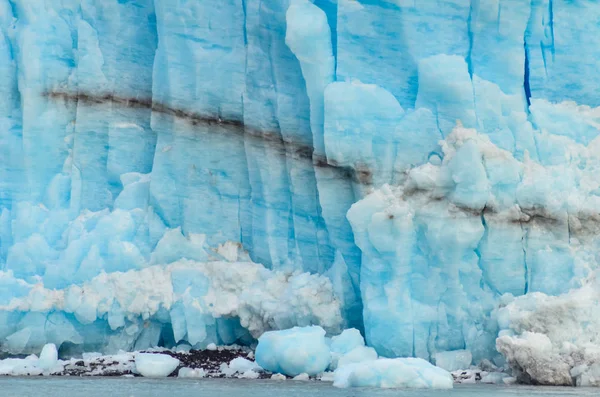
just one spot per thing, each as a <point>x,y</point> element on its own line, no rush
<point>393,373</point>
<point>130,143</point>
<point>553,340</point>
<point>294,351</point>
<point>302,377</point>
<point>46,364</point>
<point>200,301</point>
<point>224,361</point>
<point>49,364</point>
<point>236,362</point>
<point>300,352</point>
<point>155,365</point>
<point>242,365</point>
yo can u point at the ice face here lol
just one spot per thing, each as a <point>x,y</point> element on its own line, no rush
<point>442,248</point>
<point>317,137</point>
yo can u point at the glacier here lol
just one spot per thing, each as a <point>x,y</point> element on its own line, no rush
<point>195,172</point>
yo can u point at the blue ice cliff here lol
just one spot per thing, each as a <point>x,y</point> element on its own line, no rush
<point>195,172</point>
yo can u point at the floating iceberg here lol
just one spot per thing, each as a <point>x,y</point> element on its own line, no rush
<point>301,352</point>
<point>294,351</point>
<point>414,373</point>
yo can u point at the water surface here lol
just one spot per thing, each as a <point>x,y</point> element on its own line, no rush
<point>173,387</point>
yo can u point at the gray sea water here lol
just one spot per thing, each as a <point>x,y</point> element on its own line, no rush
<point>172,387</point>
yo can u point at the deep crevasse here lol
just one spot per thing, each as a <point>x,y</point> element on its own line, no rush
<point>137,133</point>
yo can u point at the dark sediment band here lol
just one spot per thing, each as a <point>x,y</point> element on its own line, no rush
<point>225,126</point>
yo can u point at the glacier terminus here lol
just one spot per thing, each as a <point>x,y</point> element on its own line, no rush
<point>197,172</point>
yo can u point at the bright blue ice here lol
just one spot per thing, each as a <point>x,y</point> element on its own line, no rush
<point>137,133</point>
<point>294,351</point>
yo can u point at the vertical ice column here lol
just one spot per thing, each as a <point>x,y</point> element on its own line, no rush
<point>497,52</point>
<point>388,242</point>
<point>267,60</point>
<point>550,264</point>
<point>421,274</point>
<point>563,46</point>
<point>116,45</point>
<point>362,126</point>
<point>499,67</point>
<point>503,246</point>
<point>199,176</point>
<point>382,42</point>
<point>46,61</point>
<point>446,89</point>
<point>309,37</point>
<point>287,227</point>
<point>12,186</point>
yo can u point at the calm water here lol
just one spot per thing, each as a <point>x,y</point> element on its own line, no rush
<point>139,387</point>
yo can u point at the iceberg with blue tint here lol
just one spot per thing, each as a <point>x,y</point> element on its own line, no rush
<point>294,351</point>
<point>412,373</point>
<point>196,172</point>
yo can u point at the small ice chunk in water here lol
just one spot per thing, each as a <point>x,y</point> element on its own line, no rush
<point>250,374</point>
<point>242,365</point>
<point>191,373</point>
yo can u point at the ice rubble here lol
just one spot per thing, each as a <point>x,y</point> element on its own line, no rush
<point>301,352</point>
<point>414,373</point>
<point>194,298</point>
<point>553,340</point>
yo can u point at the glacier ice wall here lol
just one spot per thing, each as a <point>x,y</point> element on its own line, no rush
<point>136,133</point>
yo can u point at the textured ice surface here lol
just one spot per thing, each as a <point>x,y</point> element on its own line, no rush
<point>294,351</point>
<point>454,360</point>
<point>457,235</point>
<point>301,352</point>
<point>553,340</point>
<point>135,134</point>
<point>414,373</point>
<point>196,302</point>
